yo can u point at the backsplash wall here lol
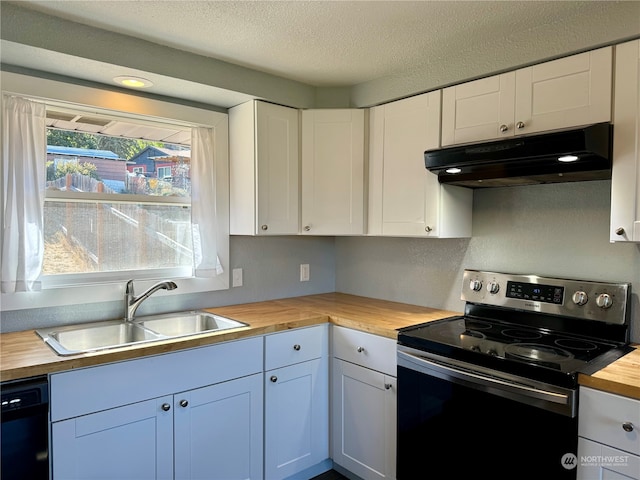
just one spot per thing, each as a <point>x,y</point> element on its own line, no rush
<point>555,230</point>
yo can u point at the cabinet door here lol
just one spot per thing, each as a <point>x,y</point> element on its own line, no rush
<point>478,110</point>
<point>563,93</point>
<point>218,431</point>
<point>600,462</point>
<point>333,172</point>
<point>134,441</point>
<point>296,418</point>
<point>403,193</point>
<point>264,164</point>
<point>625,176</point>
<point>363,420</point>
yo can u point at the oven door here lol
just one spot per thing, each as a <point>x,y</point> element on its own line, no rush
<point>474,424</point>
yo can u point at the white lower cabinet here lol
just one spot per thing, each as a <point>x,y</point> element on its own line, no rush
<point>608,436</point>
<point>296,401</point>
<point>364,403</point>
<point>193,414</point>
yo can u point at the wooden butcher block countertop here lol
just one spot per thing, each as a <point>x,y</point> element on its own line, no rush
<point>24,354</point>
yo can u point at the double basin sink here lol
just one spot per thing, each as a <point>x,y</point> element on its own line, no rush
<point>92,337</point>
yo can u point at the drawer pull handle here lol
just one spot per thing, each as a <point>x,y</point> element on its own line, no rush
<point>360,349</point>
<point>296,347</point>
<point>273,378</point>
<point>184,403</point>
<point>166,407</point>
<point>627,426</point>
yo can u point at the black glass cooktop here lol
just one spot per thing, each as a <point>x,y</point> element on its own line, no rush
<point>503,343</point>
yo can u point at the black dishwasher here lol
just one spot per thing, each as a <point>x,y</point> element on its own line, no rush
<point>25,433</point>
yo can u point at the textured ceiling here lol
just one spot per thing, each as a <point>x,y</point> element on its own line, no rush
<point>323,43</point>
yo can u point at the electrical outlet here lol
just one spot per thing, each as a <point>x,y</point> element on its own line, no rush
<point>237,277</point>
<point>304,272</point>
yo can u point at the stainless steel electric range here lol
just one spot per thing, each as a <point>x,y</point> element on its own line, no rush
<point>495,391</point>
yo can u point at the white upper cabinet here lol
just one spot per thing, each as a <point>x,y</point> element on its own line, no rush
<point>405,199</point>
<point>562,93</point>
<point>333,160</point>
<point>625,176</point>
<point>264,162</point>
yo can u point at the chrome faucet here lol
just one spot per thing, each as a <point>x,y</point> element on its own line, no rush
<point>131,302</point>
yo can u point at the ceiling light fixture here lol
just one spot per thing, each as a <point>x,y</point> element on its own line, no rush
<point>133,82</point>
<point>453,170</point>
<point>567,158</point>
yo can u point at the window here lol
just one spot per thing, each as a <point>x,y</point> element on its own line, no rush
<point>102,214</point>
<point>158,119</point>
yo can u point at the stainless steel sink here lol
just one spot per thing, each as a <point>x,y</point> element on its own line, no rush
<point>92,337</point>
<point>189,323</point>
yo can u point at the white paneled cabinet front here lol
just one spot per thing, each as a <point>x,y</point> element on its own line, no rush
<point>567,92</point>
<point>608,436</point>
<point>363,413</point>
<point>185,415</point>
<point>264,163</point>
<point>625,175</point>
<point>296,401</point>
<point>405,199</point>
<point>333,161</point>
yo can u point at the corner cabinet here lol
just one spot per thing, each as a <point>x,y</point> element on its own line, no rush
<point>363,414</point>
<point>333,172</point>
<point>608,436</point>
<point>567,92</point>
<point>264,162</point>
<point>405,199</point>
<point>296,401</point>
<point>189,415</point>
<point>625,175</point>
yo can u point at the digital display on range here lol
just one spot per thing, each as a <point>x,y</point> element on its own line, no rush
<point>535,292</point>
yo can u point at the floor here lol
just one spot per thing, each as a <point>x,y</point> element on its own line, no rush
<point>330,475</point>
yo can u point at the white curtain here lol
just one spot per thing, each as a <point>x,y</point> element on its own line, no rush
<point>203,203</point>
<point>24,151</point>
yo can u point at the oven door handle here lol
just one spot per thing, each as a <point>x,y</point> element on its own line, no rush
<point>560,402</point>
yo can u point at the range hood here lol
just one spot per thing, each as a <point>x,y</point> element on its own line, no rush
<point>528,159</point>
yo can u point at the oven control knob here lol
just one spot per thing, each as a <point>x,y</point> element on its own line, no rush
<point>604,300</point>
<point>580,297</point>
<point>475,285</point>
<point>493,287</point>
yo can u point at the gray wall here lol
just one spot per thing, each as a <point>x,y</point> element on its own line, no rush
<point>555,230</point>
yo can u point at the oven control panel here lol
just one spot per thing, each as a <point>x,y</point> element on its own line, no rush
<point>606,302</point>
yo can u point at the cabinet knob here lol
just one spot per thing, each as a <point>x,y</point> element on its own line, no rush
<point>428,229</point>
<point>360,349</point>
<point>627,426</point>
<point>520,125</point>
<point>273,378</point>
<point>620,231</point>
<point>264,227</point>
<point>166,407</point>
<point>307,228</point>
<point>387,386</point>
<point>503,128</point>
<point>296,347</point>
<point>184,403</point>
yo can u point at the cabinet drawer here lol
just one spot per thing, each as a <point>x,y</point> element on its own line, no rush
<point>91,389</point>
<point>295,346</point>
<point>602,416</point>
<point>365,349</point>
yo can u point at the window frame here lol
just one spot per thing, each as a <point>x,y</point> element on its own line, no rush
<point>81,96</point>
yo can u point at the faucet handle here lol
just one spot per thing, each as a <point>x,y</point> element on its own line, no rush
<point>129,288</point>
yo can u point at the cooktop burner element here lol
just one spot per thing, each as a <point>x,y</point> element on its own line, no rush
<point>539,327</point>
